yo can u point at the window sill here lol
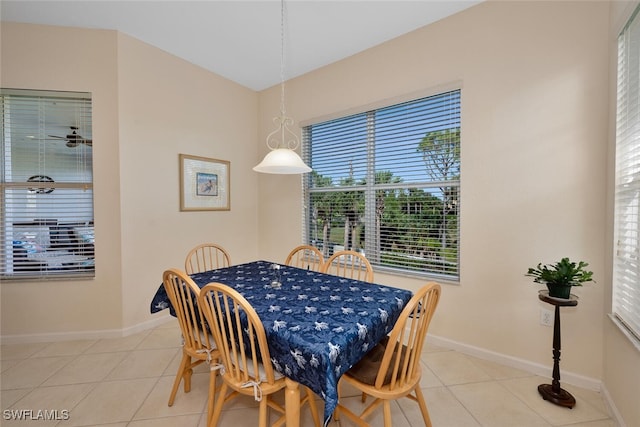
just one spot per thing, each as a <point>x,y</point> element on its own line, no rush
<point>623,328</point>
<point>444,280</point>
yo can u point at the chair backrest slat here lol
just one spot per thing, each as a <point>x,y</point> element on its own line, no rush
<point>306,257</point>
<point>349,264</point>
<point>207,256</point>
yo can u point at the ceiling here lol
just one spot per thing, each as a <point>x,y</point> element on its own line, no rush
<point>240,40</point>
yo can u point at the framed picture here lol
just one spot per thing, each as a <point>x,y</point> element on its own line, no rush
<point>204,184</point>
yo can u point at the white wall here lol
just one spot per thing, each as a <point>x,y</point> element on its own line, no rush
<point>148,107</point>
<point>168,107</point>
<point>534,78</point>
<point>42,310</point>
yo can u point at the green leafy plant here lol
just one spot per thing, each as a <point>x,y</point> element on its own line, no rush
<point>559,277</point>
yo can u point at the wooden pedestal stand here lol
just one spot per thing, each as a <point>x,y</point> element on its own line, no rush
<point>553,392</point>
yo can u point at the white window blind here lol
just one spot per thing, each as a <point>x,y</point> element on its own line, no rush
<point>46,227</point>
<point>626,270</point>
<point>386,183</point>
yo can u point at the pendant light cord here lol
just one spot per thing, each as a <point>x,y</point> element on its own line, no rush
<point>282,109</point>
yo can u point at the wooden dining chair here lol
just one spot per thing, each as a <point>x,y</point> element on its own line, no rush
<point>207,256</point>
<point>306,257</point>
<point>198,345</point>
<point>349,264</point>
<point>391,370</point>
<point>242,343</point>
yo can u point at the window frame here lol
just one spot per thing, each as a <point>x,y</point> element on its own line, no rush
<point>372,246</point>
<point>46,229</point>
<point>626,234</point>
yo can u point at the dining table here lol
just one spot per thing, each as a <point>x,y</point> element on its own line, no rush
<point>317,325</point>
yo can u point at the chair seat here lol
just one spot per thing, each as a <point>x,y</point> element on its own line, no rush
<point>207,337</point>
<point>262,375</point>
<point>366,370</point>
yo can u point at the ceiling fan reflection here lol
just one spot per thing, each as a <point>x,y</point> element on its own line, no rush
<point>73,139</point>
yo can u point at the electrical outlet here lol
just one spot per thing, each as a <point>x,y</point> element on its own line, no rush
<point>546,317</point>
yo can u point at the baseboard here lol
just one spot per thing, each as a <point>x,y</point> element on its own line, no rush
<point>613,409</point>
<point>149,324</point>
<point>85,335</point>
<point>514,362</point>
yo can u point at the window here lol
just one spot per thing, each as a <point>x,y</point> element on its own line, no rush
<point>46,185</point>
<point>386,182</point>
<point>626,262</point>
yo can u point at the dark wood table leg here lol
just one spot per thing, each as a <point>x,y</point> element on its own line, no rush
<point>553,392</point>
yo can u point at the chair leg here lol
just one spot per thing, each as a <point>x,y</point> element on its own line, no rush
<point>222,396</point>
<point>423,406</point>
<point>386,408</point>
<point>311,400</point>
<point>213,375</point>
<point>187,379</point>
<point>184,363</point>
<point>264,411</point>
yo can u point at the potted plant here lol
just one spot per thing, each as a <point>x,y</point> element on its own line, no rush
<point>561,276</point>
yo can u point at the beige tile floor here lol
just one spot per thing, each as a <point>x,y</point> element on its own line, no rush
<point>126,382</point>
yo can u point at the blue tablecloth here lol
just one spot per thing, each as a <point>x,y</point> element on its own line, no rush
<point>318,325</point>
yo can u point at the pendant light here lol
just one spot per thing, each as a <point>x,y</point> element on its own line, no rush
<point>282,159</point>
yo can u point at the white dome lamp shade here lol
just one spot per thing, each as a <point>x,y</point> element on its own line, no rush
<point>282,161</point>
